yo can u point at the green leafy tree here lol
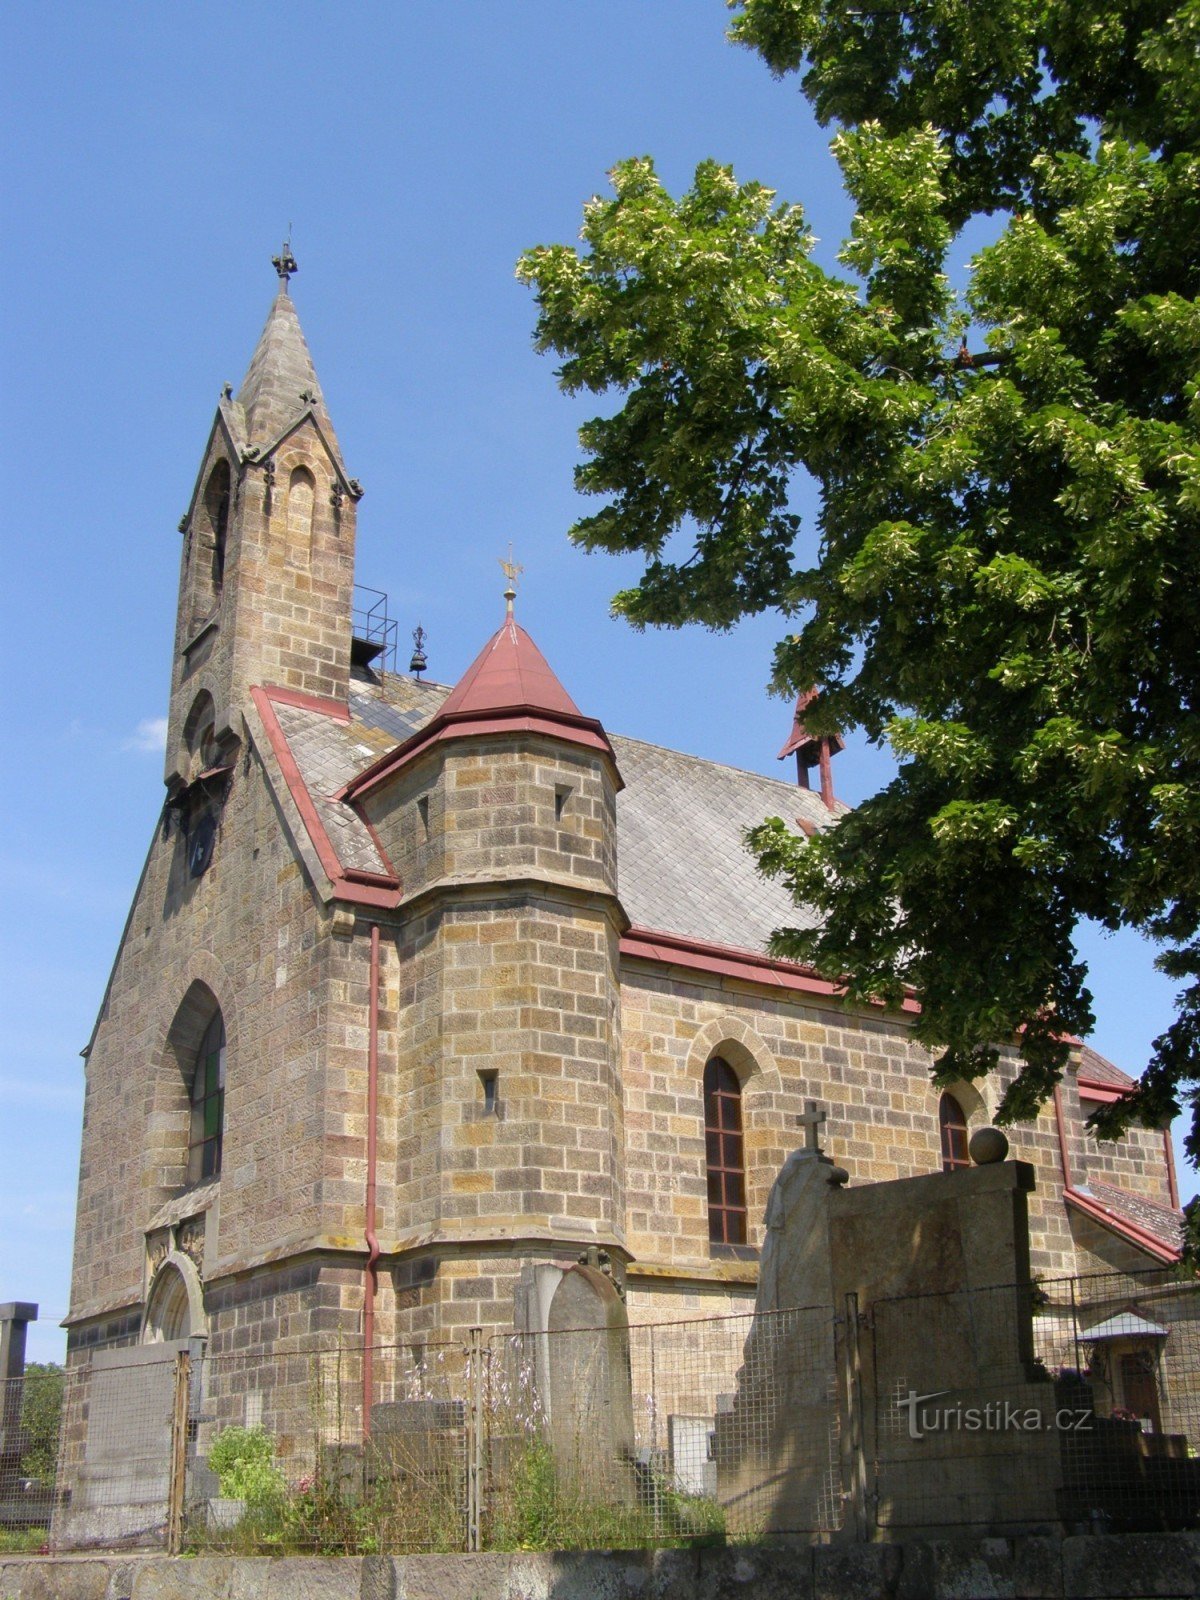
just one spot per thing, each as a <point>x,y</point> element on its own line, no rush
<point>1005,585</point>
<point>41,1411</point>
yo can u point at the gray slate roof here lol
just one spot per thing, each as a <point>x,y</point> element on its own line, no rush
<point>329,754</point>
<point>1093,1065</point>
<point>682,865</point>
<point>1166,1225</point>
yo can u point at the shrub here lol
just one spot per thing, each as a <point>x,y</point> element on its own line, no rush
<point>244,1460</point>
<point>41,1409</point>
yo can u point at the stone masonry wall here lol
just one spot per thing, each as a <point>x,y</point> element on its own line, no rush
<point>1083,1567</point>
<point>501,1135</point>
<point>283,612</point>
<point>869,1076</point>
<point>252,934</point>
<point>488,808</point>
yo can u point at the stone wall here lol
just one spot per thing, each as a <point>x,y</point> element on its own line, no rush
<point>1116,1567</point>
<point>283,612</point>
<point>250,935</point>
<point>873,1081</point>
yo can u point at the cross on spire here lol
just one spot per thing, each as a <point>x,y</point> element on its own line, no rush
<point>285,262</point>
<point>811,1121</point>
<point>512,570</point>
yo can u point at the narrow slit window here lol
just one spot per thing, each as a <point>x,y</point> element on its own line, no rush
<point>208,1105</point>
<point>562,793</point>
<point>491,1103</point>
<point>725,1154</point>
<point>423,813</point>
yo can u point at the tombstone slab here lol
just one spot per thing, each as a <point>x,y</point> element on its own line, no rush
<point>590,1387</point>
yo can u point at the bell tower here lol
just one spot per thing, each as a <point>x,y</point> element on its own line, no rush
<point>267,569</point>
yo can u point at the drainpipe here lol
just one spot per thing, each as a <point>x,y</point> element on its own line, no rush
<point>370,1272</point>
<point>1172,1184</point>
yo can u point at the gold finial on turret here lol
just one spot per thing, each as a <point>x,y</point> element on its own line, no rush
<point>512,570</point>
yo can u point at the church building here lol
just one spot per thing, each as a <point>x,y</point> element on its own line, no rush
<point>424,988</point>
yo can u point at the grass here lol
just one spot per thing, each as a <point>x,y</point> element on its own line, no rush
<point>408,1507</point>
<point>22,1541</point>
<point>539,1507</point>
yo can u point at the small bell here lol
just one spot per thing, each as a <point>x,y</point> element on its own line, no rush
<point>418,663</point>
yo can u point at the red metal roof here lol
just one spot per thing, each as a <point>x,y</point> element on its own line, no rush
<point>509,671</point>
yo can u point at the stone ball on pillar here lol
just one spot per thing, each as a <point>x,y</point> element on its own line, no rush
<point>987,1145</point>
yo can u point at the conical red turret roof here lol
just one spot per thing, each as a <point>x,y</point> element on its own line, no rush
<point>510,673</point>
<point>510,687</point>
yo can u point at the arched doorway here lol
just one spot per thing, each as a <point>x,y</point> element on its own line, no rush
<point>175,1304</point>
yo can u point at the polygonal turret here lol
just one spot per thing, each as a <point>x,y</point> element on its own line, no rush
<point>499,816</point>
<point>509,776</point>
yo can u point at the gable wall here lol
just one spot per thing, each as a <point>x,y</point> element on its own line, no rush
<point>250,929</point>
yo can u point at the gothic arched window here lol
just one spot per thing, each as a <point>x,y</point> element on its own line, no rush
<point>953,1124</point>
<point>208,1104</point>
<point>724,1154</point>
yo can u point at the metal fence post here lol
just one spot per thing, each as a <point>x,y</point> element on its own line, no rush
<point>179,1440</point>
<point>475,1442</point>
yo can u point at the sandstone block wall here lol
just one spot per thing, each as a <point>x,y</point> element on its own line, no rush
<point>282,614</point>
<point>250,934</point>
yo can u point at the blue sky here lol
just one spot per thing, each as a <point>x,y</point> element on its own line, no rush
<point>156,156</point>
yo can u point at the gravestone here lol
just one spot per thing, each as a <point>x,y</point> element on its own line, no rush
<point>872,1302</point>
<point>419,1441</point>
<point>776,1445</point>
<point>15,1317</point>
<point>23,1503</point>
<point>590,1390</point>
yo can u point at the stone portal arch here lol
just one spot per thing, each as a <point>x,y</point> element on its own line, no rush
<point>175,1303</point>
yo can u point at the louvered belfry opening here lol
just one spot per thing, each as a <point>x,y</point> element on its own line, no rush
<point>724,1154</point>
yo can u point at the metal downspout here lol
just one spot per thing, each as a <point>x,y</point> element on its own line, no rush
<point>370,1271</point>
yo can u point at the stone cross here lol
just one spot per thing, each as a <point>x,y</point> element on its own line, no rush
<point>811,1121</point>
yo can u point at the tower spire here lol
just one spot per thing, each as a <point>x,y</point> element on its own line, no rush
<point>281,381</point>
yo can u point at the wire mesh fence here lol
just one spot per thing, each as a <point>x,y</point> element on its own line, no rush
<point>684,1430</point>
<point>283,1459</point>
<point>1072,1403</point>
<point>118,1445</point>
<point>31,1410</point>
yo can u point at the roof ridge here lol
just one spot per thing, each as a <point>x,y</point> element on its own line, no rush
<point>709,761</point>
